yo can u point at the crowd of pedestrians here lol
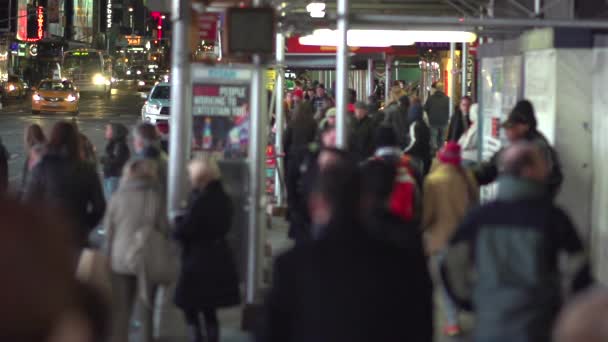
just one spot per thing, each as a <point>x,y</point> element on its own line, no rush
<point>382,229</point>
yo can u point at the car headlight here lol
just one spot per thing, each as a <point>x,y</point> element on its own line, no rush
<point>141,83</point>
<point>153,109</point>
<point>71,98</point>
<point>138,72</point>
<point>11,87</point>
<point>98,79</point>
<point>128,72</point>
<point>36,97</point>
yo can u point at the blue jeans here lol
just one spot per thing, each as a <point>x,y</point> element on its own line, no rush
<point>438,135</point>
<point>110,184</point>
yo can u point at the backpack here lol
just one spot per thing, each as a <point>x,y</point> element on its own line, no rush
<point>404,200</point>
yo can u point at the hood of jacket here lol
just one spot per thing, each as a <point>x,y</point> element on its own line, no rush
<point>119,132</point>
<point>511,188</point>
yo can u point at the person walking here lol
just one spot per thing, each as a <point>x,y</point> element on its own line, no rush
<point>508,253</point>
<point>147,145</point>
<point>33,136</point>
<point>449,192</point>
<point>396,115</point>
<point>301,130</point>
<point>345,286</point>
<point>521,126</point>
<point>135,208</point>
<point>361,142</point>
<point>437,108</point>
<point>319,101</point>
<point>117,155</point>
<point>460,120</point>
<point>67,183</point>
<point>419,138</point>
<point>208,279</point>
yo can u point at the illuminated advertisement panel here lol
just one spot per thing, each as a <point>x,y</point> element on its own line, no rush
<point>83,20</point>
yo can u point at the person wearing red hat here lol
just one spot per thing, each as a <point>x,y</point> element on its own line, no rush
<point>449,192</point>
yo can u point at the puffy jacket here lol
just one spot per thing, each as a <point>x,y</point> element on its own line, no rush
<point>361,142</point>
<point>72,186</point>
<point>437,108</point>
<point>503,262</point>
<point>117,152</point>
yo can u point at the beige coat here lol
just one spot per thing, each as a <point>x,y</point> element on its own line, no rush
<point>449,192</point>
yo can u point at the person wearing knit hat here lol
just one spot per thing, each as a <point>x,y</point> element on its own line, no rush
<point>449,192</point>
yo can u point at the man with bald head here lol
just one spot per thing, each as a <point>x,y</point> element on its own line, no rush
<point>509,249</point>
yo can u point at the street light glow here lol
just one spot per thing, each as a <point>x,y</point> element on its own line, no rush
<point>385,38</point>
<point>130,9</point>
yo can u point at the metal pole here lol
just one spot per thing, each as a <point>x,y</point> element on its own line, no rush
<point>537,8</point>
<point>181,120</point>
<point>451,84</point>
<point>280,116</point>
<point>387,79</point>
<point>463,66</point>
<point>341,73</point>
<point>370,76</point>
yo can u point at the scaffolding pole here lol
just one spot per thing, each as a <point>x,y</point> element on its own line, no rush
<point>280,116</point>
<point>181,120</point>
<point>341,74</point>
<point>452,81</point>
<point>463,67</point>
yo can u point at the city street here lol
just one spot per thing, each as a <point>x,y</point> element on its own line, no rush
<point>123,106</point>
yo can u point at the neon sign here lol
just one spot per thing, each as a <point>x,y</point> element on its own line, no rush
<point>40,21</point>
<point>109,14</point>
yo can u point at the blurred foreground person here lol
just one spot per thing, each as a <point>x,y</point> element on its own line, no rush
<point>135,209</point>
<point>208,278</point>
<point>33,138</point>
<point>449,192</point>
<point>345,286</point>
<point>117,155</point>
<point>505,254</point>
<point>65,182</point>
<point>88,152</point>
<point>41,300</point>
<point>584,319</point>
<point>521,126</point>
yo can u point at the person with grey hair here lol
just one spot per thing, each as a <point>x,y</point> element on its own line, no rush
<point>503,259</point>
<point>208,279</point>
<point>584,319</point>
<point>147,145</point>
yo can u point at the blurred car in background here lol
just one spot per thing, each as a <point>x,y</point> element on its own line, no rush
<point>147,81</point>
<point>14,88</point>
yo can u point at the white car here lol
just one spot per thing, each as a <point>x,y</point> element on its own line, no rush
<point>157,106</point>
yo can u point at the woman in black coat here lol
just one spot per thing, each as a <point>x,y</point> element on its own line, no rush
<point>208,278</point>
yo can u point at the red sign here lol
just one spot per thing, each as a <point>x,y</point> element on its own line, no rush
<point>294,46</point>
<point>207,26</point>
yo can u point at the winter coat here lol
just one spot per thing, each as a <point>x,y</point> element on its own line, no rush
<point>349,287</point>
<point>459,123</point>
<point>437,108</point>
<point>208,278</point>
<point>396,117</point>
<point>487,172</point>
<point>506,255</point>
<point>132,209</point>
<point>156,154</point>
<point>4,157</point>
<point>300,132</point>
<point>117,152</point>
<point>71,186</point>
<point>448,193</point>
<point>301,173</point>
<point>361,142</point>
<point>420,143</point>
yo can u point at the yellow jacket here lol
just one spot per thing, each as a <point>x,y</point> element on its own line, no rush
<point>448,193</point>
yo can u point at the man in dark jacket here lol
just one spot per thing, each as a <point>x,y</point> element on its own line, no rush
<point>117,155</point>
<point>521,125</point>
<point>513,246</point>
<point>361,142</point>
<point>419,138</point>
<point>346,286</point>
<point>437,108</point>
<point>460,121</point>
<point>4,157</point>
<point>396,117</point>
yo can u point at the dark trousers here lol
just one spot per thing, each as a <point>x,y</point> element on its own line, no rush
<point>212,324</point>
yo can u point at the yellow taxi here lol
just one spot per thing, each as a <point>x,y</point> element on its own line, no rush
<point>55,96</point>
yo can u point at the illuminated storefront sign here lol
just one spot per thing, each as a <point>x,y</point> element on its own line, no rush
<point>40,19</point>
<point>109,14</point>
<point>133,40</point>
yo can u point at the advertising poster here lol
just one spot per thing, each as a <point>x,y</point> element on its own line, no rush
<point>221,119</point>
<point>539,87</point>
<point>83,20</point>
<point>52,11</point>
